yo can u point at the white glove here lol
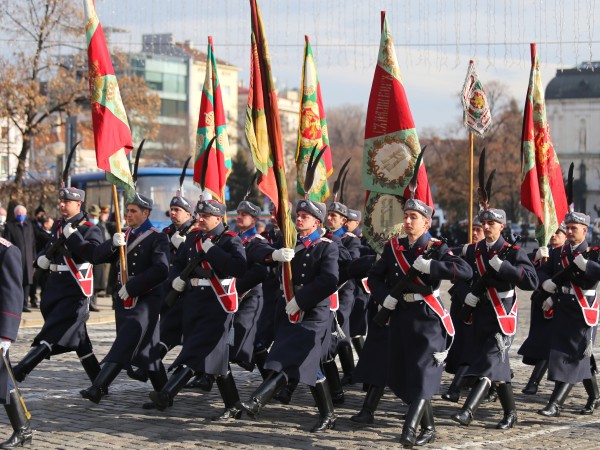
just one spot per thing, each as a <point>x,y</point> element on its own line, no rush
<point>43,262</point>
<point>549,286</point>
<point>178,284</point>
<point>471,300</point>
<point>495,263</point>
<point>118,240</point>
<point>580,262</point>
<point>207,245</point>
<point>177,239</point>
<point>4,345</point>
<point>283,255</point>
<point>422,265</point>
<point>123,294</point>
<point>292,307</point>
<point>547,305</point>
<point>542,252</point>
<point>390,302</point>
<point>68,230</point>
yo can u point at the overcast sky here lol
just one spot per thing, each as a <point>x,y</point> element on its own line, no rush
<point>434,41</point>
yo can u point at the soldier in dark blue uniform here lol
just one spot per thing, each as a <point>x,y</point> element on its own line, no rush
<point>575,318</point>
<point>337,217</point>
<point>209,301</point>
<point>419,326</point>
<point>258,253</point>
<point>136,315</point>
<point>358,316</point>
<point>297,350</point>
<point>536,348</point>
<point>11,305</point>
<point>461,352</point>
<point>66,297</point>
<point>495,315</point>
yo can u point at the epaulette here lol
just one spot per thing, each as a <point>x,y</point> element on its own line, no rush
<point>349,234</point>
<point>89,224</point>
<point>5,242</point>
<point>156,230</point>
<point>230,233</point>
<point>324,239</point>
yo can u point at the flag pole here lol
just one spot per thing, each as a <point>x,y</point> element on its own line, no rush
<point>471,163</point>
<point>118,222</point>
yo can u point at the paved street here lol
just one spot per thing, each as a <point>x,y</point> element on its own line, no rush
<point>63,420</point>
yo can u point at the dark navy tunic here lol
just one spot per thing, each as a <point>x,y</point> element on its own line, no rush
<point>516,271</point>
<point>415,330</point>
<point>347,291</point>
<point>11,304</point>
<point>249,287</point>
<point>206,325</point>
<point>536,346</point>
<point>137,337</point>
<point>171,328</point>
<point>570,333</point>
<point>298,347</point>
<point>64,306</point>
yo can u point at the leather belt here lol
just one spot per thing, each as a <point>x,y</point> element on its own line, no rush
<point>65,268</point>
<point>414,297</point>
<point>570,291</point>
<point>195,282</point>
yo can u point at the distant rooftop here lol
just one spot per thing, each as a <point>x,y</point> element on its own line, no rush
<point>580,82</point>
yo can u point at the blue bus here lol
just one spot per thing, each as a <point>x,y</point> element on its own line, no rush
<point>158,183</point>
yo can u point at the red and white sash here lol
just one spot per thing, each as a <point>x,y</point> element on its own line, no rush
<point>83,275</point>
<point>365,284</point>
<point>228,298</point>
<point>590,313</point>
<point>429,299</point>
<point>507,321</point>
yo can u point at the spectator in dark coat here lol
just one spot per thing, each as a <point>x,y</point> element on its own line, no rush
<point>19,231</point>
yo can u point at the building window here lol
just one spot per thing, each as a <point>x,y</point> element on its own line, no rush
<point>173,108</point>
<point>4,133</point>
<point>4,165</point>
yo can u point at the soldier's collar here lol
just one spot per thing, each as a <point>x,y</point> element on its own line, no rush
<point>142,228</point>
<point>248,233</point>
<point>306,241</point>
<point>214,232</point>
<point>340,231</point>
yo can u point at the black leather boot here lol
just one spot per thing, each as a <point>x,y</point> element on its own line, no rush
<point>204,381</point>
<point>99,387</point>
<point>333,379</point>
<point>347,361</point>
<point>90,365</point>
<point>557,399</point>
<point>538,372</point>
<point>285,395</point>
<point>230,396</point>
<point>491,395</point>
<point>453,392</point>
<point>322,395</point>
<point>159,380</point>
<point>591,387</point>
<point>164,398</point>
<point>507,400</point>
<point>367,413</point>
<point>260,357</point>
<point>31,360</point>
<point>358,342</point>
<point>465,415</point>
<point>408,438</point>
<point>265,392</point>
<point>22,432</point>
<point>427,434</point>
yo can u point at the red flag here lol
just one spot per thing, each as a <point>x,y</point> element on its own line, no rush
<point>391,148</point>
<point>542,185</point>
<point>112,136</point>
<point>211,122</point>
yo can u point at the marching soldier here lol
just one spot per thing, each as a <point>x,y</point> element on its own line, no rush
<point>137,314</point>
<point>208,302</point>
<point>297,349</point>
<point>461,351</point>
<point>575,306</point>
<point>536,348</point>
<point>498,268</point>
<point>11,305</point>
<point>419,325</point>
<point>337,216</point>
<point>66,298</point>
